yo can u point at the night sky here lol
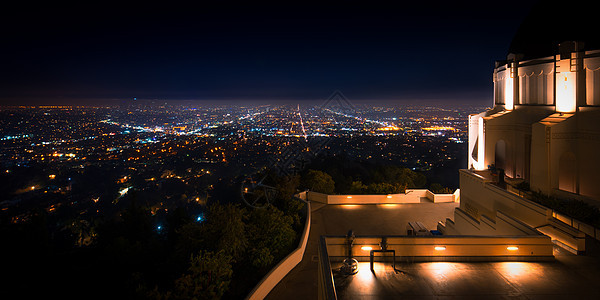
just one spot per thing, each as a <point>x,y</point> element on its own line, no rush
<point>257,52</point>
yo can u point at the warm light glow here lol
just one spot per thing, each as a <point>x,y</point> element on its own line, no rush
<point>512,248</point>
<point>51,176</point>
<point>389,128</point>
<point>519,269</point>
<point>350,206</point>
<point>440,248</point>
<point>508,93</point>
<point>389,205</point>
<point>366,248</point>
<point>565,92</point>
<point>33,188</point>
<point>367,278</point>
<point>349,197</point>
<point>389,196</point>
<point>480,165</point>
<point>439,128</point>
<point>441,270</point>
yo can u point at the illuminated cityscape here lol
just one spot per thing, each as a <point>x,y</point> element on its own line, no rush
<point>172,152</point>
<point>145,144</point>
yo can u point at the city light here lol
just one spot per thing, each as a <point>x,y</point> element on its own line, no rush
<point>124,191</point>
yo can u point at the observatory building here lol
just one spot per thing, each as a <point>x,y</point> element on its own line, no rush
<point>540,140</point>
<point>515,226</point>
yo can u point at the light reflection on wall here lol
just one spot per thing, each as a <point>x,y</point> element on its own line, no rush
<point>480,147</point>
<point>565,92</point>
<point>509,92</point>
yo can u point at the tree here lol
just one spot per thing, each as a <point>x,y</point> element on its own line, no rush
<point>439,189</point>
<point>411,179</point>
<point>287,187</point>
<point>318,181</point>
<point>357,188</point>
<point>208,276</point>
<point>270,232</point>
<point>224,229</point>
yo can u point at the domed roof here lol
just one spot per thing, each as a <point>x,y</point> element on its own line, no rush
<point>552,22</point>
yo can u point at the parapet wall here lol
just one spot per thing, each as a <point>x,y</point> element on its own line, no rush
<point>410,196</point>
<point>447,248</point>
<point>264,287</point>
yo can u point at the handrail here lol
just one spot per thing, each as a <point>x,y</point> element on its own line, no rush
<point>327,285</point>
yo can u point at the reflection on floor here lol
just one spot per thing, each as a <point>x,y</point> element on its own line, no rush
<point>565,277</point>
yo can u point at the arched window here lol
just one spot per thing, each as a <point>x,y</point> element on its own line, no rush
<point>567,172</point>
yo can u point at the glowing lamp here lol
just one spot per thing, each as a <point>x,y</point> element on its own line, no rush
<point>366,248</point>
<point>349,197</point>
<point>565,92</point>
<point>389,196</point>
<point>512,248</point>
<point>440,248</point>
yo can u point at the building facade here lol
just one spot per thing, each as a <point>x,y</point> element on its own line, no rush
<point>544,127</point>
<point>541,137</point>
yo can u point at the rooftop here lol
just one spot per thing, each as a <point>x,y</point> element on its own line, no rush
<point>567,275</point>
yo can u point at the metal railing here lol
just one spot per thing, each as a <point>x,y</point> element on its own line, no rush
<point>326,283</point>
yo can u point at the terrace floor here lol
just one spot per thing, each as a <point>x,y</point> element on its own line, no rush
<point>567,276</point>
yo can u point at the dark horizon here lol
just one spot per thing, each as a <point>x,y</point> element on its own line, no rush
<point>254,53</point>
<point>100,102</point>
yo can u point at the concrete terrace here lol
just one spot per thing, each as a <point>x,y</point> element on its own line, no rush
<point>568,275</point>
<point>382,219</point>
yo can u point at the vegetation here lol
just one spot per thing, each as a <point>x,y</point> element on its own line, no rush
<point>353,177</point>
<point>576,209</point>
<point>439,189</point>
<point>186,250</point>
<point>139,255</point>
